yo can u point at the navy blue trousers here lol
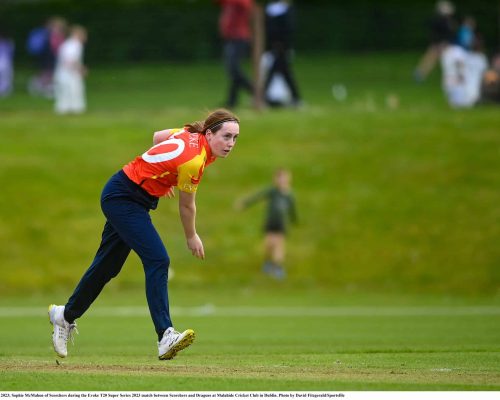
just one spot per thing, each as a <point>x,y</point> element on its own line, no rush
<point>128,227</point>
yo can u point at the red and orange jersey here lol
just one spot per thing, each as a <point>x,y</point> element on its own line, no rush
<point>177,161</point>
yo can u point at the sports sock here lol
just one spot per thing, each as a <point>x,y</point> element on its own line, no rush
<point>67,318</point>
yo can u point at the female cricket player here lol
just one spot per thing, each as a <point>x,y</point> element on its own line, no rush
<point>177,159</point>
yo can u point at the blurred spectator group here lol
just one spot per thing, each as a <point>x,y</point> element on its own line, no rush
<point>242,23</point>
<point>468,77</point>
<point>57,51</point>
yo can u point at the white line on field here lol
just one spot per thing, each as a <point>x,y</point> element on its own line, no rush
<point>209,310</point>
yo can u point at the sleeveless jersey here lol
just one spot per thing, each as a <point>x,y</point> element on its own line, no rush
<point>177,161</point>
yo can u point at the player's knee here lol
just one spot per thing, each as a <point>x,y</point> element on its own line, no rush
<point>163,262</point>
<point>158,263</point>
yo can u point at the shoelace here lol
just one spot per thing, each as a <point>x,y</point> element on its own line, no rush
<point>172,336</point>
<point>71,333</point>
<point>68,333</point>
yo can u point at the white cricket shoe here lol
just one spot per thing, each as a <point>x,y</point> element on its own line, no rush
<point>62,330</point>
<point>173,342</point>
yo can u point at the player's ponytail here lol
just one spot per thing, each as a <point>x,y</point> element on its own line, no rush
<point>213,122</point>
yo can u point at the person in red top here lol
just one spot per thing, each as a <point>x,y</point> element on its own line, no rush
<point>177,159</point>
<point>234,28</point>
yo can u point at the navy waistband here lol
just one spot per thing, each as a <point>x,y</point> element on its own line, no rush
<point>135,187</point>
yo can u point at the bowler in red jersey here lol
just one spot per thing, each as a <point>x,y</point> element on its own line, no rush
<point>177,159</point>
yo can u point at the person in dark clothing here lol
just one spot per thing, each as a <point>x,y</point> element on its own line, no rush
<point>279,30</point>
<point>280,209</point>
<point>234,27</point>
<point>490,87</point>
<point>442,32</point>
<point>49,39</point>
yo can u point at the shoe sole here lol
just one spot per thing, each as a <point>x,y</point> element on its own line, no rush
<point>51,323</point>
<point>185,342</point>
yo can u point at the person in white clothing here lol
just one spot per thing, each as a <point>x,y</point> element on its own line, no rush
<point>70,73</point>
<point>453,64</point>
<point>476,66</point>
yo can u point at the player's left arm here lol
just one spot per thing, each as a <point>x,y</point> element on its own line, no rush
<point>187,212</point>
<point>188,178</point>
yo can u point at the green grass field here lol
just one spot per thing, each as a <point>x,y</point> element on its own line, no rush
<point>291,340</point>
<point>393,270</point>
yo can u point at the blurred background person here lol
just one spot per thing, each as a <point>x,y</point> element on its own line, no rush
<point>280,208</point>
<point>453,65</point>
<point>463,73</point>
<point>279,27</point>
<point>43,43</point>
<point>476,65</point>
<point>235,30</point>
<point>70,74</point>
<point>442,32</point>
<point>467,32</point>
<point>490,87</point>
<point>6,64</point>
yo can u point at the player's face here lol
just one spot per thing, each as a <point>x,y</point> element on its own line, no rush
<point>222,142</point>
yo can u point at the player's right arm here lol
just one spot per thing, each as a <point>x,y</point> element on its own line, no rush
<point>161,136</point>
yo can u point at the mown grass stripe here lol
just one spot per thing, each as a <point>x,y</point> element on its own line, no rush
<point>211,310</point>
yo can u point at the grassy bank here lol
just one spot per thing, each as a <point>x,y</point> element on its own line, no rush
<point>392,195</point>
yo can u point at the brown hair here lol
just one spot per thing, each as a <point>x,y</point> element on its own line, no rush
<point>213,121</point>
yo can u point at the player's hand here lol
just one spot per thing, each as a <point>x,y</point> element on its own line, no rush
<point>170,193</point>
<point>196,246</point>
